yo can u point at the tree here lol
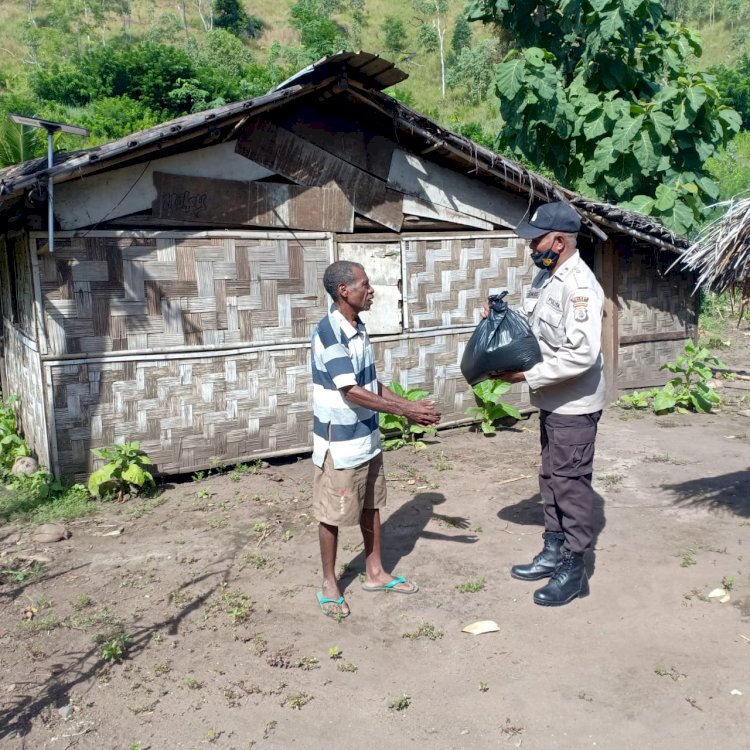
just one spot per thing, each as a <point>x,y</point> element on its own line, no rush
<point>319,34</point>
<point>359,21</point>
<point>600,92</point>
<point>394,34</point>
<point>461,35</point>
<point>18,142</point>
<point>432,29</point>
<point>733,85</point>
<point>230,15</point>
<point>474,69</point>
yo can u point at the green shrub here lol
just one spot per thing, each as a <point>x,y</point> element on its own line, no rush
<point>12,445</point>
<point>399,431</point>
<point>125,470</point>
<point>491,408</point>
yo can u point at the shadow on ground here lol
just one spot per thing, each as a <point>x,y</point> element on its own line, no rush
<point>726,492</point>
<point>402,529</point>
<point>530,512</point>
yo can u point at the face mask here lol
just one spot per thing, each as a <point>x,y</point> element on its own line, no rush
<point>546,260</point>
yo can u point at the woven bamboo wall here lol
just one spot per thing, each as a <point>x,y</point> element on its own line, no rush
<point>111,292</point>
<point>15,262</point>
<point>191,411</point>
<point>651,303</point>
<point>23,370</point>
<point>447,280</point>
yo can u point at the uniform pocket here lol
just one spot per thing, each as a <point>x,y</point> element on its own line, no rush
<point>550,325</point>
<point>571,450</point>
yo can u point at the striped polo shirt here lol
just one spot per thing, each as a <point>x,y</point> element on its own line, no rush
<point>342,356</point>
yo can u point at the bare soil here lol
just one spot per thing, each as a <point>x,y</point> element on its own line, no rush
<point>214,584</point>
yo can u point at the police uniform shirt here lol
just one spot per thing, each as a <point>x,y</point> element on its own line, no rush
<point>564,310</point>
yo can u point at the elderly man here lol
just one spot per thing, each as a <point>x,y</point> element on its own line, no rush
<point>564,307</point>
<point>349,486</point>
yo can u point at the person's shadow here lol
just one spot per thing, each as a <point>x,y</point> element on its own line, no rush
<point>401,530</point>
<point>530,512</point>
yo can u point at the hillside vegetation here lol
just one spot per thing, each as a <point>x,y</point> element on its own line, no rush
<point>116,66</point>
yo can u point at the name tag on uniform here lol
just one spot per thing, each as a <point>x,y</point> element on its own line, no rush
<point>554,304</point>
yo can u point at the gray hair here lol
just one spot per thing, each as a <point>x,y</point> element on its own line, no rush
<point>340,272</point>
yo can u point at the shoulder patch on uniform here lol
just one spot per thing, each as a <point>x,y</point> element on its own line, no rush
<point>580,308</point>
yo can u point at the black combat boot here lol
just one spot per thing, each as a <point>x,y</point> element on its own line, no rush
<point>567,582</point>
<point>544,564</point>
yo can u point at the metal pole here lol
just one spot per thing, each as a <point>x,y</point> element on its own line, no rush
<point>50,192</point>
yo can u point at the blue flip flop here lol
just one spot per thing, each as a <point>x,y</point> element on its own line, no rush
<point>391,586</point>
<point>334,615</point>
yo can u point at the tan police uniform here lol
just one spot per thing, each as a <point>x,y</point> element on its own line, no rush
<point>564,309</point>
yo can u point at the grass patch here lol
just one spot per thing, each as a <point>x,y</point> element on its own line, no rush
<point>346,666</point>
<point>425,630</point>
<point>400,703</point>
<point>298,700</point>
<point>23,502</point>
<point>20,571</point>
<point>471,587</point>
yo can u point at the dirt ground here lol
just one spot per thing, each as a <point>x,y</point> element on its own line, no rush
<point>214,583</point>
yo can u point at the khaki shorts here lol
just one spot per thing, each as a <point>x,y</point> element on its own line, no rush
<point>339,495</point>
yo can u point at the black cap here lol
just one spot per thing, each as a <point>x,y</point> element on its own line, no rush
<point>551,217</point>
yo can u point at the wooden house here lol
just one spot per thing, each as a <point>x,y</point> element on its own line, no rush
<point>177,306</point>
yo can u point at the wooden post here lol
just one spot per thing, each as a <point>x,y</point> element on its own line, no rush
<point>606,269</point>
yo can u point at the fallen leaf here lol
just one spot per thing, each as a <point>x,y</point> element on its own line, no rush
<point>717,594</point>
<point>724,599</point>
<point>482,626</point>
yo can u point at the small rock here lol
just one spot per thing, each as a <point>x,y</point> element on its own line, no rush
<point>735,692</point>
<point>264,465</point>
<point>66,712</point>
<point>24,466</point>
<point>50,532</point>
<point>715,384</point>
<point>276,477</point>
<point>744,413</point>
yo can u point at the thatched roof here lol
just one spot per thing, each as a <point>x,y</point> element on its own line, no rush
<point>363,76</point>
<point>721,254</point>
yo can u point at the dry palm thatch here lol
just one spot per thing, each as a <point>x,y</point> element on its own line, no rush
<point>721,254</point>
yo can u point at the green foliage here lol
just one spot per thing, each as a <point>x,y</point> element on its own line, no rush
<point>491,408</point>
<point>116,116</point>
<point>18,142</point>
<point>319,34</point>
<point>462,36</point>
<point>733,85</point>
<point>394,34</point>
<point>115,649</point>
<point>687,391</point>
<point>41,497</point>
<point>12,445</point>
<point>125,471</point>
<point>398,431</point>
<point>602,94</point>
<point>471,587</point>
<point>474,70</point>
<point>230,15</point>
<point>730,168</point>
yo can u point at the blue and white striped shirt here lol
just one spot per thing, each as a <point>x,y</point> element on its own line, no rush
<point>342,356</point>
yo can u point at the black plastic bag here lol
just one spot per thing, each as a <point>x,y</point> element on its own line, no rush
<point>502,341</point>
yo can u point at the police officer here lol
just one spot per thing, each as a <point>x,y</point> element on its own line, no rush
<point>564,307</point>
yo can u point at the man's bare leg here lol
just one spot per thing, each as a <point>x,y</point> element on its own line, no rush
<point>369,523</point>
<point>329,538</point>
